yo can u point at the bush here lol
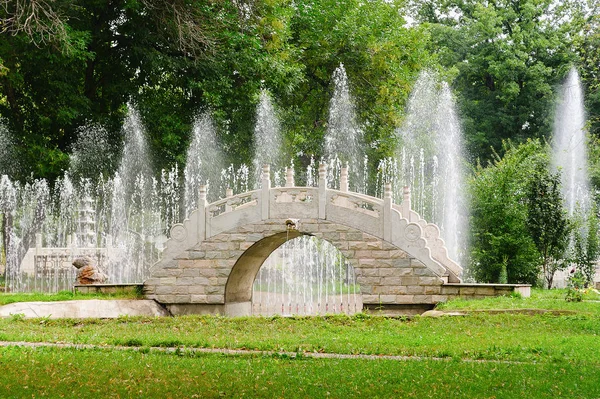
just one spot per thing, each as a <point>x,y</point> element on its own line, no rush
<point>502,246</point>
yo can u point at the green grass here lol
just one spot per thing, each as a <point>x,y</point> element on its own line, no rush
<point>478,336</point>
<point>540,299</point>
<point>6,298</point>
<point>480,355</point>
<point>49,372</point>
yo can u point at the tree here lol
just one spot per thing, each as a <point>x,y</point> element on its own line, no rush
<point>586,245</point>
<point>42,21</point>
<point>587,47</point>
<point>547,221</point>
<point>382,57</point>
<point>508,54</point>
<point>71,63</point>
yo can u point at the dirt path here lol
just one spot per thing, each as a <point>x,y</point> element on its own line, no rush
<point>243,352</point>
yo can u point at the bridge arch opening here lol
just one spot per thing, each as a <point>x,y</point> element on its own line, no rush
<point>293,273</point>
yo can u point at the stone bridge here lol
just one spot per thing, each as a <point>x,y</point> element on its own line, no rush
<point>211,260</point>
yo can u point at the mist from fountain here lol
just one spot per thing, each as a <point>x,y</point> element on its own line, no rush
<point>569,146</point>
<point>267,139</point>
<point>8,161</point>
<point>204,163</point>
<point>93,153</point>
<point>430,159</point>
<point>344,137</point>
<point>134,169</point>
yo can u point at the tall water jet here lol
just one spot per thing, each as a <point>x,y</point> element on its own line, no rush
<point>132,215</point>
<point>570,145</point>
<point>419,130</point>
<point>94,154</point>
<point>267,137</point>
<point>431,160</point>
<point>450,173</point>
<point>7,146</point>
<point>134,165</point>
<point>204,163</point>
<point>344,137</point>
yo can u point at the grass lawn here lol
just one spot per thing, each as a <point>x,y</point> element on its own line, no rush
<point>48,372</point>
<point>540,299</point>
<point>482,355</point>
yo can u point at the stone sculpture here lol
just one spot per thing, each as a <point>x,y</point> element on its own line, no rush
<point>87,271</point>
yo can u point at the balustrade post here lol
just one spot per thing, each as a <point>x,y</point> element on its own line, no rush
<point>387,212</point>
<point>406,207</point>
<point>228,194</point>
<point>344,179</point>
<point>322,190</point>
<point>289,177</point>
<point>265,194</point>
<point>202,216</point>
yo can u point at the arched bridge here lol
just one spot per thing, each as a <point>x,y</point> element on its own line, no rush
<point>211,259</point>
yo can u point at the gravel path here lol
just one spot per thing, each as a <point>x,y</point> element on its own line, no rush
<point>243,352</point>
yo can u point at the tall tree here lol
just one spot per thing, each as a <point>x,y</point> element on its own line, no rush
<point>382,56</point>
<point>508,56</point>
<point>501,241</point>
<point>588,49</point>
<point>547,221</point>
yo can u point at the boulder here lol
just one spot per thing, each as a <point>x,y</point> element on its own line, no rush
<point>88,272</point>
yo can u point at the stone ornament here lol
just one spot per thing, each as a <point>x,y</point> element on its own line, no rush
<point>178,232</point>
<point>412,232</point>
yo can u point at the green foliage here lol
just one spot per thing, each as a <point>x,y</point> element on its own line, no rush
<point>588,49</point>
<point>382,57</point>
<point>39,372</point>
<point>575,287</point>
<point>173,60</point>
<point>500,235</point>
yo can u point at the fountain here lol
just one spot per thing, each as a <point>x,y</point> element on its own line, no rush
<point>267,139</point>
<point>204,163</point>
<point>431,161</point>
<point>569,147</point>
<point>94,153</point>
<point>305,275</point>
<point>119,221</point>
<point>343,140</point>
<point>7,156</point>
<point>569,156</point>
<point>122,220</point>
